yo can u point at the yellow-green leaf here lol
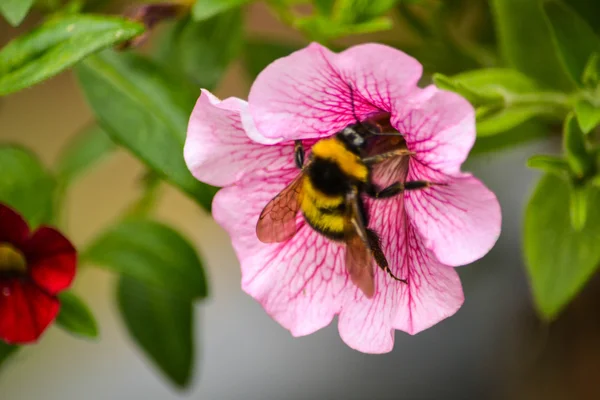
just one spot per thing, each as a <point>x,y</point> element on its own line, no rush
<point>57,45</point>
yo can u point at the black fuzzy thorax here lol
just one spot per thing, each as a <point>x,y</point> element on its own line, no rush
<point>327,177</point>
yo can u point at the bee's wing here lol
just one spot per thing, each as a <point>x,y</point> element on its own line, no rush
<point>359,260</point>
<point>359,265</point>
<point>277,221</point>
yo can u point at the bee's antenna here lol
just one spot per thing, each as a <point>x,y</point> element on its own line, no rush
<point>387,134</point>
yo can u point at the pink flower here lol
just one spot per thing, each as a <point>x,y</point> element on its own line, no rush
<point>303,283</point>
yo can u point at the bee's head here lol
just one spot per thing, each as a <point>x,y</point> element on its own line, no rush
<point>353,137</point>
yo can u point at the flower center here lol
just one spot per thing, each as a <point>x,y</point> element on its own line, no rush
<point>11,259</point>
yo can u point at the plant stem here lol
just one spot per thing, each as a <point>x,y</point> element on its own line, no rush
<point>554,99</point>
<point>150,195</point>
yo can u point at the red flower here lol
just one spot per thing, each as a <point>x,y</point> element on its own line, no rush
<point>34,268</point>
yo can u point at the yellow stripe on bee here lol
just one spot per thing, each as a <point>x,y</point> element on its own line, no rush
<point>321,221</point>
<point>334,150</point>
<point>314,196</point>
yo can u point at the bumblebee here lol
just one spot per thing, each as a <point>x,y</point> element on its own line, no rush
<point>329,191</point>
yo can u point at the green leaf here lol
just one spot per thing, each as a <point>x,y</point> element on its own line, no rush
<point>375,8</point>
<point>529,131</point>
<point>6,350</point>
<point>523,36</point>
<point>318,26</point>
<point>152,253</point>
<point>258,53</point>
<point>377,24</point>
<point>161,324</point>
<point>552,164</point>
<point>500,94</point>
<point>473,94</point>
<point>158,107</point>
<point>588,9</point>
<point>576,152</point>
<point>495,86</point>
<point>26,185</point>
<point>57,45</point>
<point>587,114</point>
<point>15,11</point>
<point>591,72</point>
<point>573,38</point>
<point>560,259</point>
<point>496,82</point>
<point>507,118</point>
<point>85,150</point>
<point>445,82</point>
<point>205,9</point>
<point>578,207</point>
<point>352,12</point>
<point>75,317</point>
<point>324,7</point>
<point>202,51</point>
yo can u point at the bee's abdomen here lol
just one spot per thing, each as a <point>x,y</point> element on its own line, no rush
<point>324,213</point>
<point>328,226</point>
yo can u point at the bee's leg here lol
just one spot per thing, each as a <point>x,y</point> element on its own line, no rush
<point>299,154</point>
<point>364,215</point>
<point>376,159</point>
<point>397,188</point>
<point>375,246</point>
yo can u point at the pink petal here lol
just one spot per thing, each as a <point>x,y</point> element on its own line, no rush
<point>217,149</point>
<point>432,294</point>
<point>439,126</point>
<point>301,282</point>
<point>460,221</point>
<point>311,93</point>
